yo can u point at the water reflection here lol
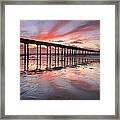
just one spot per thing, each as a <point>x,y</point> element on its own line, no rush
<point>61,78</point>
<point>55,63</point>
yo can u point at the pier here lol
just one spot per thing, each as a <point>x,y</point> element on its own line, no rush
<point>63,54</point>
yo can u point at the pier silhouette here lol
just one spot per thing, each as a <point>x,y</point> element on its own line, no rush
<point>63,55</point>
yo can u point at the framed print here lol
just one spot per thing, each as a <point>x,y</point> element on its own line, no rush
<point>59,59</point>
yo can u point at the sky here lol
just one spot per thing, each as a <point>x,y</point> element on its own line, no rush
<point>79,33</point>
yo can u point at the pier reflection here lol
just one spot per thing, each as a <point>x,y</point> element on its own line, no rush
<point>54,62</point>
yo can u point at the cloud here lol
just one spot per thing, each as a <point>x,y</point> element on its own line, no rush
<point>79,42</point>
<point>59,24</point>
<point>71,32</point>
<point>89,26</point>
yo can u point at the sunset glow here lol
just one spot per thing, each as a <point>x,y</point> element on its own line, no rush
<point>80,33</point>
